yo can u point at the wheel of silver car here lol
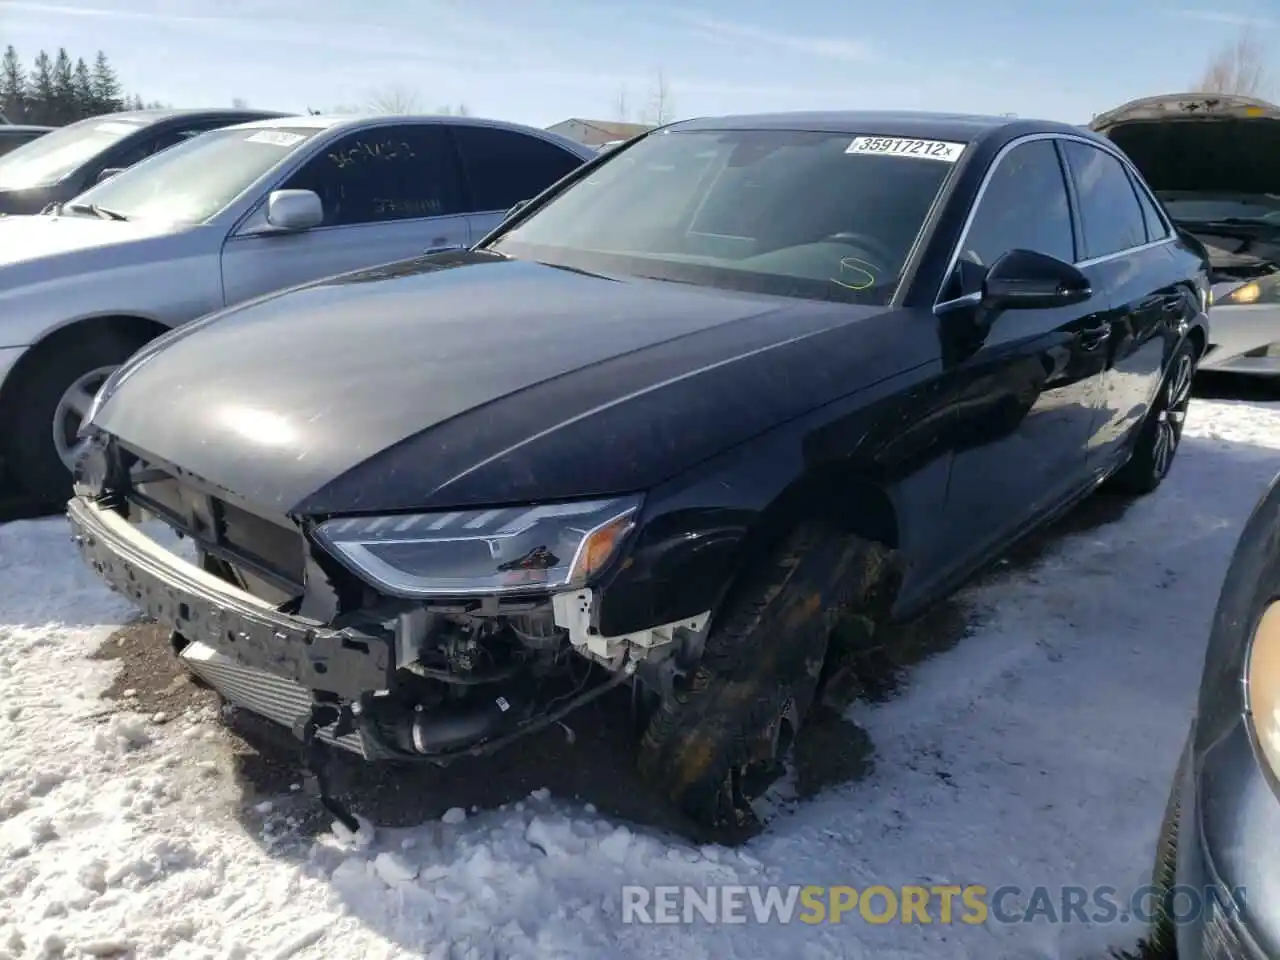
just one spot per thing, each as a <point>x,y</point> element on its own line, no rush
<point>71,410</point>
<point>1161,433</point>
<point>46,398</point>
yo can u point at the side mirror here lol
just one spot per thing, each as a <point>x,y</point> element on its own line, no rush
<point>294,209</point>
<point>1026,280</point>
<point>107,174</point>
<point>516,209</point>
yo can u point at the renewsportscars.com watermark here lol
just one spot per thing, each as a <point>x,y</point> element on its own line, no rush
<point>917,904</point>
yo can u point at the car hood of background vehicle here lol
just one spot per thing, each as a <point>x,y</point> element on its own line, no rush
<point>1206,143</point>
<point>31,246</point>
<point>466,378</point>
<point>1212,145</point>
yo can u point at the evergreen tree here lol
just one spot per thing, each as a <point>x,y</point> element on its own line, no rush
<point>41,101</point>
<point>63,88</point>
<point>106,87</point>
<point>13,86</point>
<point>82,91</point>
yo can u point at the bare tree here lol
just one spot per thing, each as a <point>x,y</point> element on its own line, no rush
<point>461,110</point>
<point>622,105</point>
<point>239,103</point>
<point>661,105</point>
<point>1240,67</point>
<point>393,99</point>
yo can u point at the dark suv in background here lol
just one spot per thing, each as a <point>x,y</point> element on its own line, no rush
<point>15,135</point>
<point>69,160</point>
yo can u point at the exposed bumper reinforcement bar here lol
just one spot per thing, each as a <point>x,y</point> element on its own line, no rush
<point>203,608</point>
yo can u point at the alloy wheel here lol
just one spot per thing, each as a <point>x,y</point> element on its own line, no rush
<point>1172,414</point>
<point>71,410</point>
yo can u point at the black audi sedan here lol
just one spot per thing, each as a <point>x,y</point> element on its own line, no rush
<point>1215,866</point>
<point>719,388</point>
<point>66,161</point>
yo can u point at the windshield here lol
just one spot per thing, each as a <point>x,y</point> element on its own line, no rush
<point>780,212</point>
<point>60,152</point>
<point>196,179</point>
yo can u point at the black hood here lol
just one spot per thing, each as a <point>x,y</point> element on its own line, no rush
<point>464,378</point>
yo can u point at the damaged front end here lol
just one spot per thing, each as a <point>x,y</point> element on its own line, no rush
<point>406,637</point>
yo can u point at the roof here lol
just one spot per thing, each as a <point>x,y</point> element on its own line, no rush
<point>613,129</point>
<point>170,113</point>
<point>959,127</point>
<point>359,120</point>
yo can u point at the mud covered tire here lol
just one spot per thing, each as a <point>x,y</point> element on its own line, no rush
<point>29,447</point>
<point>1161,432</point>
<point>744,702</point>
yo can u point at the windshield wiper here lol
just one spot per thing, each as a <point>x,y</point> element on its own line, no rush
<point>97,211</point>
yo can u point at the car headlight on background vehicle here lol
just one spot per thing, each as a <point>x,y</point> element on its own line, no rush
<point>1262,683</point>
<point>556,546</point>
<point>1266,290</point>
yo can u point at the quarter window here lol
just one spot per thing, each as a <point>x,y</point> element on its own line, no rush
<point>1109,210</point>
<point>1024,207</point>
<point>1156,229</point>
<point>504,167</point>
<point>384,174</point>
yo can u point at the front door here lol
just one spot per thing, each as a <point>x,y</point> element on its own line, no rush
<point>389,193</point>
<point>1025,387</point>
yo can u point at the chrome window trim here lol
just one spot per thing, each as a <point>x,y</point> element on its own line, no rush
<point>986,181</point>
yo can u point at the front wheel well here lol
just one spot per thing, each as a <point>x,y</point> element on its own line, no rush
<point>122,330</point>
<point>839,495</point>
<point>129,331</point>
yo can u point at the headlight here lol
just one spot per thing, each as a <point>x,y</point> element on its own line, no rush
<point>1266,290</point>
<point>1263,685</point>
<point>551,546</point>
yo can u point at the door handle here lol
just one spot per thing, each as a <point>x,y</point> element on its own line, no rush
<point>1093,339</point>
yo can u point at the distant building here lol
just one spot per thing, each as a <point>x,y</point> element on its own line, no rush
<point>596,133</point>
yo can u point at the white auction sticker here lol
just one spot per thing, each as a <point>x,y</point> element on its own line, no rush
<point>944,150</point>
<point>277,138</point>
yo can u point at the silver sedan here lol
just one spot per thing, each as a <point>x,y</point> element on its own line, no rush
<point>227,216</point>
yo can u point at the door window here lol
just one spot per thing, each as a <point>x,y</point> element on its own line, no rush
<point>401,172</point>
<point>504,167</point>
<point>1024,207</point>
<point>1109,209</point>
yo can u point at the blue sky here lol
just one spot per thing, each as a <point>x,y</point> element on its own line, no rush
<point>541,62</point>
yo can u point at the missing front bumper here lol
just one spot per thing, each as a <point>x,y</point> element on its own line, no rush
<point>205,609</point>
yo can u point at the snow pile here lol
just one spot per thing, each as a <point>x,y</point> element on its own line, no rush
<point>1039,751</point>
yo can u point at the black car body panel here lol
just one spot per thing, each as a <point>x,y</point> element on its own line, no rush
<point>928,420</point>
<point>156,129</point>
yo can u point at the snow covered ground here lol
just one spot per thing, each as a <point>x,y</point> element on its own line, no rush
<point>1038,751</point>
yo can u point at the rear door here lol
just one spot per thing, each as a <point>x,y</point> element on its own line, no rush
<point>1026,390</point>
<point>502,167</point>
<point>389,193</point>
<point>1124,254</point>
